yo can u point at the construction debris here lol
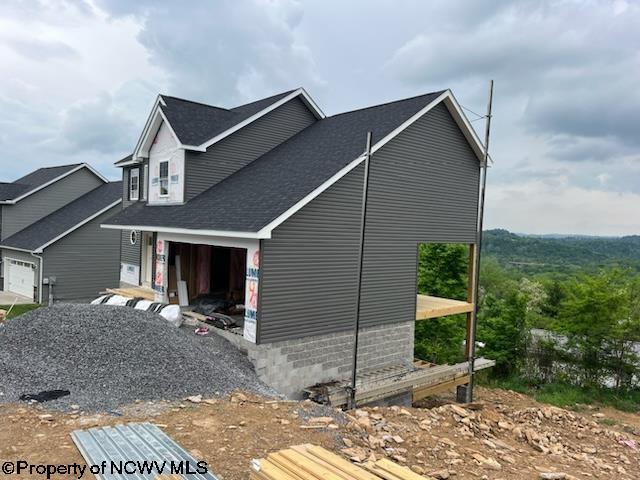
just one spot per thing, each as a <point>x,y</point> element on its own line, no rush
<point>312,462</point>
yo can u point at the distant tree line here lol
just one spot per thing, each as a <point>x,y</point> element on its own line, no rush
<point>578,326</point>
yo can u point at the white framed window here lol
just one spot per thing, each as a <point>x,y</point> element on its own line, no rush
<point>164,178</point>
<point>134,184</point>
<point>133,237</point>
<point>145,182</point>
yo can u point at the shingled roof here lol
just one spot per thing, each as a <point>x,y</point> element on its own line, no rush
<point>65,219</point>
<point>257,194</point>
<point>12,190</point>
<point>194,123</point>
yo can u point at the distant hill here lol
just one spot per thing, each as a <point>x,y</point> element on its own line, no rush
<point>561,253</point>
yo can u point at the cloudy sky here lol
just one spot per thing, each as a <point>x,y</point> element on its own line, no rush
<point>77,80</point>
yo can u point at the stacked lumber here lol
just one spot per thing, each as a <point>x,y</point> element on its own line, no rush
<point>310,462</point>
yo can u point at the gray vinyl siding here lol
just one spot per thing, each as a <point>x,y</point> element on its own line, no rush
<point>205,169</point>
<point>23,257</point>
<point>84,262</point>
<point>125,185</point>
<point>423,188</point>
<point>130,254</point>
<point>40,204</point>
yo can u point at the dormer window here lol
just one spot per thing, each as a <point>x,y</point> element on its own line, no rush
<point>164,178</point>
<point>134,184</point>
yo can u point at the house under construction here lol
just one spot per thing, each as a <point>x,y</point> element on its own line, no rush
<point>261,205</point>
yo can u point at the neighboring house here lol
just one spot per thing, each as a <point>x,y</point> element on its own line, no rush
<point>275,186</point>
<point>50,235</point>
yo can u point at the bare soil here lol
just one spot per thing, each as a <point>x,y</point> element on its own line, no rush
<point>505,435</point>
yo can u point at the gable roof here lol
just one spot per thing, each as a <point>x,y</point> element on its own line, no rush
<point>195,123</point>
<point>65,220</point>
<point>258,197</point>
<point>38,179</point>
<point>196,126</point>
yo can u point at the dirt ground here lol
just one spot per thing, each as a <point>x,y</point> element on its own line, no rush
<point>504,435</point>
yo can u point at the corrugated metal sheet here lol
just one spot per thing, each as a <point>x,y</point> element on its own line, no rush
<point>423,188</point>
<point>133,442</point>
<point>203,170</point>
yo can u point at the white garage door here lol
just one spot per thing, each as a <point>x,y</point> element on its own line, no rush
<point>20,277</point>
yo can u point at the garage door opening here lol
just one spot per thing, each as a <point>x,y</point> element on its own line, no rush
<point>213,278</point>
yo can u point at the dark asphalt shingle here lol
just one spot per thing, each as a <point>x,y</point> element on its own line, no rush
<point>31,181</point>
<point>58,222</point>
<point>194,123</point>
<point>251,198</point>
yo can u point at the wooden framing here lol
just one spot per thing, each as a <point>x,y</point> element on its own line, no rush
<point>389,382</point>
<point>428,306</point>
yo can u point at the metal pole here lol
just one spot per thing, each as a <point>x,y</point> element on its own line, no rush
<point>474,317</point>
<point>363,219</point>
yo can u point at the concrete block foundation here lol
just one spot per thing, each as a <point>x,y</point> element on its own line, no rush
<point>292,365</point>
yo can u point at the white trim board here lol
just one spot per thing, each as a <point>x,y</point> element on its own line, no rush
<point>157,116</point>
<point>51,182</point>
<point>185,231</point>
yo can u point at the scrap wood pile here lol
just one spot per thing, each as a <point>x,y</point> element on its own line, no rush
<point>310,462</point>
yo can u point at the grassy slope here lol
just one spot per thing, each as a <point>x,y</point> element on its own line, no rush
<point>19,309</point>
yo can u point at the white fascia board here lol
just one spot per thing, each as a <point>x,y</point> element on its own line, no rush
<point>465,125</point>
<point>145,131</point>
<point>75,227</point>
<point>50,182</point>
<point>186,231</point>
<point>452,106</point>
<point>299,92</point>
<point>6,247</point>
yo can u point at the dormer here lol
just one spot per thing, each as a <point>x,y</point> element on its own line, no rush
<point>187,147</point>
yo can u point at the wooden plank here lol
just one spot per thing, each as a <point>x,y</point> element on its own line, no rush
<point>290,467</point>
<point>379,472</point>
<point>133,292</point>
<point>428,306</point>
<point>339,462</point>
<point>311,466</point>
<point>398,470</point>
<point>271,471</point>
<point>419,378</point>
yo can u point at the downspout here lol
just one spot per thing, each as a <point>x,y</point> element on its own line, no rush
<point>483,187</point>
<point>40,274</point>
<point>363,220</point>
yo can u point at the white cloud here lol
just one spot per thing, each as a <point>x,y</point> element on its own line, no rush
<point>541,207</point>
<point>77,79</point>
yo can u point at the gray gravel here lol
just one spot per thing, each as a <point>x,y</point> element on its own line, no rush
<point>109,356</point>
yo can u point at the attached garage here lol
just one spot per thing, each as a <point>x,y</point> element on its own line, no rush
<point>20,277</point>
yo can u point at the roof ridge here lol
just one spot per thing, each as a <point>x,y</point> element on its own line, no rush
<point>194,102</point>
<point>266,98</point>
<point>439,92</point>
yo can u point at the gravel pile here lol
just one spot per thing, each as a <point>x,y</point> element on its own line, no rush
<point>108,356</point>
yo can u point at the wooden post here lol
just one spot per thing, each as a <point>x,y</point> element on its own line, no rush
<point>471,290</point>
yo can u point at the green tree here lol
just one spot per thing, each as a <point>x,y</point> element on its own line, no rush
<point>598,319</point>
<point>442,270</point>
<point>502,328</point>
